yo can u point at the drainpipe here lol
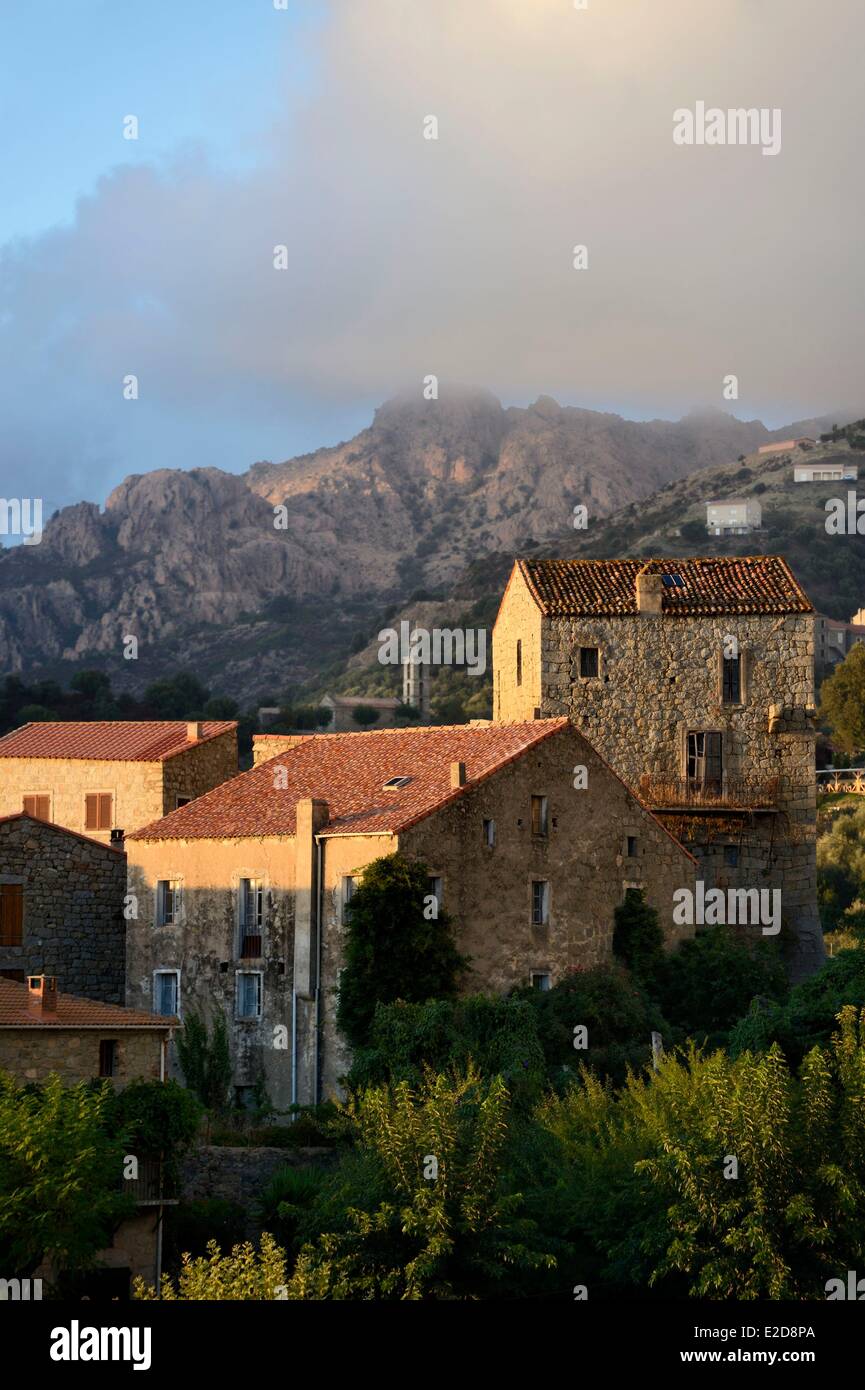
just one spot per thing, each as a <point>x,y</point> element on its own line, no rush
<point>293,1045</point>
<point>319,918</point>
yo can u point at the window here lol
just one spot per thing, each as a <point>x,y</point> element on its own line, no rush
<point>732,680</point>
<point>168,902</point>
<point>251,909</point>
<point>97,811</point>
<point>11,914</point>
<point>519,662</point>
<point>539,815</point>
<point>249,994</point>
<point>347,895</point>
<point>731,856</point>
<point>540,902</point>
<point>434,890</point>
<point>16,975</point>
<point>489,833</point>
<point>540,981</point>
<point>588,661</point>
<point>705,761</point>
<point>394,783</point>
<point>166,993</point>
<point>632,846</point>
<point>39,807</point>
<point>181,801</point>
<point>108,1057</point>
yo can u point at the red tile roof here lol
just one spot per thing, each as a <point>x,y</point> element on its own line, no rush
<point>721,584</point>
<point>16,1011</point>
<point>141,740</point>
<point>348,771</point>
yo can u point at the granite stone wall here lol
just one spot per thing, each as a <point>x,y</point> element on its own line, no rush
<point>73,891</point>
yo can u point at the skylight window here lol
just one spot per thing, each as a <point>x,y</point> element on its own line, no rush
<point>393,783</point>
<point>673,581</point>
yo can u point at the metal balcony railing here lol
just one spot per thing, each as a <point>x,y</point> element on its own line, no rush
<point>732,793</point>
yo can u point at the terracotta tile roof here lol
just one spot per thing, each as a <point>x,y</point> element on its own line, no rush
<point>72,1012</point>
<point>721,584</point>
<point>141,740</point>
<point>348,771</point>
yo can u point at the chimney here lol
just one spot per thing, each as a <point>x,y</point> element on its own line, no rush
<point>650,593</point>
<point>458,774</point>
<point>117,838</point>
<point>193,731</point>
<point>42,993</point>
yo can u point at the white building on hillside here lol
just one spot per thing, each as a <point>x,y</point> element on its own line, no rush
<point>735,516</point>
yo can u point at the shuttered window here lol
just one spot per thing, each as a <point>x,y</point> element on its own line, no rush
<point>11,914</point>
<point>97,811</point>
<point>38,806</point>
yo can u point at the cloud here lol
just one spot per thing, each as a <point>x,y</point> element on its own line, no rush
<point>409,256</point>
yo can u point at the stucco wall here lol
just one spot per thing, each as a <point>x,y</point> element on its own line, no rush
<point>73,908</point>
<point>519,619</point>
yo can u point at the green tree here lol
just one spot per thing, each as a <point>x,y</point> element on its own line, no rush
<point>706,985</point>
<point>364,715</point>
<point>205,1059</point>
<point>60,1167</point>
<point>638,939</point>
<point>841,866</point>
<point>177,697</point>
<point>842,701</point>
<point>246,1274</point>
<point>399,945</point>
<point>426,1209</point>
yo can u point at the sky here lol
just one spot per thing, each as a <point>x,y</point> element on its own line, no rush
<point>304,127</point>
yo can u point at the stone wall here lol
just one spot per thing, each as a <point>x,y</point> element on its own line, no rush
<point>73,908</point>
<point>32,1053</point>
<point>240,1174</point>
<point>659,678</point>
<point>197,770</point>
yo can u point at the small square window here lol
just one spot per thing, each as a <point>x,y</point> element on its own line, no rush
<point>731,856</point>
<point>632,846</point>
<point>540,981</point>
<point>540,902</point>
<point>539,815</point>
<point>588,661</point>
<point>181,801</point>
<point>489,833</point>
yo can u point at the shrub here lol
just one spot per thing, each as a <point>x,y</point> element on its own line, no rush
<point>287,1199</point>
<point>190,1226</point>
<point>394,948</point>
<point>638,940</point>
<point>245,1274</point>
<point>205,1059</point>
<point>807,1018</point>
<point>707,984</point>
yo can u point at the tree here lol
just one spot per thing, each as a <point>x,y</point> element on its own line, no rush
<point>399,945</point>
<point>638,939</point>
<point>365,715</point>
<point>60,1168</point>
<point>424,1209</point>
<point>205,1059</point>
<point>177,697</point>
<point>245,1274</point>
<point>841,866</point>
<point>220,707</point>
<point>842,701</point>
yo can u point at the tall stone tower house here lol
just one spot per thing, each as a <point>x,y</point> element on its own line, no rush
<point>694,680</point>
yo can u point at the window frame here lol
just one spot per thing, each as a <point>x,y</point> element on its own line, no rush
<point>544,885</point>
<point>254,930</point>
<point>157,973</point>
<point>174,886</point>
<point>113,1044</point>
<point>100,796</point>
<point>489,832</point>
<point>541,823</point>
<point>541,975</point>
<point>36,796</point>
<point>700,776</point>
<point>590,675</point>
<point>259,992</point>
<point>12,890</point>
<point>347,886</point>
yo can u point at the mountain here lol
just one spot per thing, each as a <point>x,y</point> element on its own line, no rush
<point>198,567</point>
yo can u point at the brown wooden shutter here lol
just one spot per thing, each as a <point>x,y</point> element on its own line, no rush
<point>11,914</point>
<point>91,811</point>
<point>38,806</point>
<point>104,810</point>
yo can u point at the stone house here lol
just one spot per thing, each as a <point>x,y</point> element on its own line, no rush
<point>694,678</point>
<point>102,778</point>
<point>343,710</point>
<point>61,907</point>
<point>44,1032</point>
<point>530,840</point>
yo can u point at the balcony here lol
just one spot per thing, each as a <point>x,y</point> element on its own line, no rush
<point>685,794</point>
<point>152,1187</point>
